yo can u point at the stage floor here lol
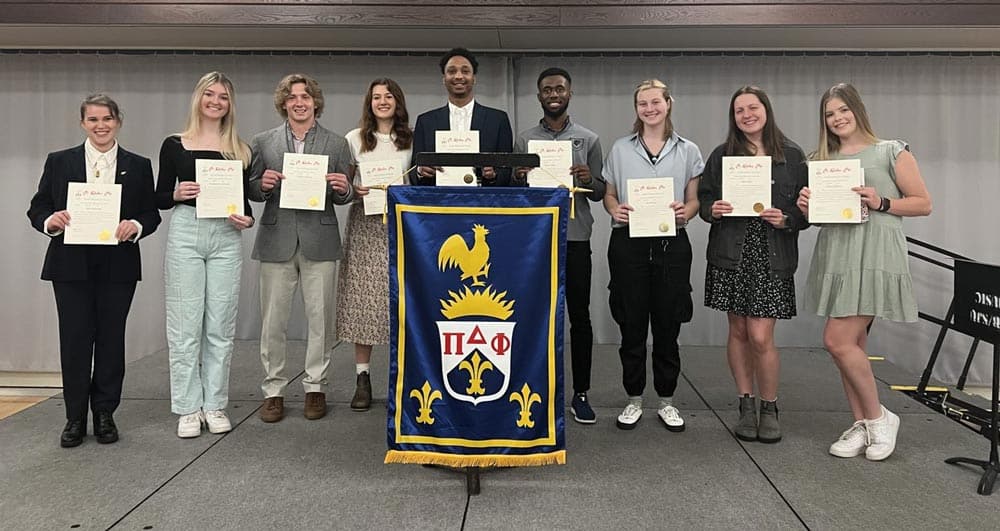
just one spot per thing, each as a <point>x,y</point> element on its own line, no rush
<point>328,474</point>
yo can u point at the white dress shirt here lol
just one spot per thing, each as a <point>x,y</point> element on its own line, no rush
<point>101,167</point>
<point>460,118</point>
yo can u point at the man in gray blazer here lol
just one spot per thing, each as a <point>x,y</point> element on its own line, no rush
<point>297,246</point>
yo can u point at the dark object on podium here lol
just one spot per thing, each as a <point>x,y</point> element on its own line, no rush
<point>974,311</point>
<point>478,160</point>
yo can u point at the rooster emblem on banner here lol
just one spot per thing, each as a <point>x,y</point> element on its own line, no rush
<point>473,262</point>
<point>475,355</point>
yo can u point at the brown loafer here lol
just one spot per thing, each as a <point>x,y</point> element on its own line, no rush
<point>315,407</point>
<point>273,409</point>
<point>362,400</point>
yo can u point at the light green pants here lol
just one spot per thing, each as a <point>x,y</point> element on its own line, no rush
<point>202,268</point>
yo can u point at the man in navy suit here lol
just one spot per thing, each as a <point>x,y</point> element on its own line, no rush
<point>463,113</point>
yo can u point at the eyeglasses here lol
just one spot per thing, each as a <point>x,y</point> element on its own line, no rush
<point>558,91</point>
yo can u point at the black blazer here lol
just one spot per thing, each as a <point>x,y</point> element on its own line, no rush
<point>495,136</point>
<point>67,263</point>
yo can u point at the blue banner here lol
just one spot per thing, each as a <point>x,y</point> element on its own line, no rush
<point>476,325</point>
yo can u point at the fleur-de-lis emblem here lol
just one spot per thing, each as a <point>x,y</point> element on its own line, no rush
<point>476,370</point>
<point>526,398</point>
<point>426,397</point>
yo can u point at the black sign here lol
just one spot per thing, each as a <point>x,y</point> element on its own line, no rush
<point>977,300</point>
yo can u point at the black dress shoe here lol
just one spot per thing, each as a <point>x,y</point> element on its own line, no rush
<point>105,430</point>
<point>72,434</point>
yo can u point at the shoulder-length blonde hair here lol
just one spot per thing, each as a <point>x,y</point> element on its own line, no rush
<point>637,126</point>
<point>233,147</point>
<point>830,143</point>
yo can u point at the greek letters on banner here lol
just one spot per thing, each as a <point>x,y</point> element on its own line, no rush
<point>476,317</point>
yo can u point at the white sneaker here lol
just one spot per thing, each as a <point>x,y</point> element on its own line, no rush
<point>217,421</point>
<point>630,417</point>
<point>671,418</point>
<point>882,435</point>
<point>852,442</point>
<point>190,425</point>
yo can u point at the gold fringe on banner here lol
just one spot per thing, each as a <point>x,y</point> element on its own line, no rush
<point>486,460</point>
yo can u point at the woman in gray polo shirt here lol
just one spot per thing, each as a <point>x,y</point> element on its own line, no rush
<point>650,277</point>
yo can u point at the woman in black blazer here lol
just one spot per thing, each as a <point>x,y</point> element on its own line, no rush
<point>94,284</point>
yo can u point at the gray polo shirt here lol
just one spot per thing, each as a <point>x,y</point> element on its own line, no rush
<point>586,150</point>
<point>680,160</point>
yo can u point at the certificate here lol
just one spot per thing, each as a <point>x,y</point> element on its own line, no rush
<point>220,188</point>
<point>746,184</point>
<point>555,157</point>
<point>831,199</point>
<point>456,142</point>
<point>94,213</point>
<point>651,200</point>
<point>380,172</point>
<point>304,186</point>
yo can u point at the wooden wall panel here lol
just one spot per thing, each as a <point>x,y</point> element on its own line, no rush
<point>505,14</point>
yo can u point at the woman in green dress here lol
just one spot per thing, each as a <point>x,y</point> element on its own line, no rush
<point>860,271</point>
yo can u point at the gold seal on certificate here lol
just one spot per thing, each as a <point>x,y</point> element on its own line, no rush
<point>746,184</point>
<point>650,201</point>
<point>456,142</point>
<point>305,181</point>
<point>95,210</point>
<point>220,185</point>
<point>832,199</point>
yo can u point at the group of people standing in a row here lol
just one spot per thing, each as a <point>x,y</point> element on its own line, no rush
<point>858,271</point>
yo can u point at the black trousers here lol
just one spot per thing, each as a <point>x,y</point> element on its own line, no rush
<point>92,317</point>
<point>581,333</point>
<point>650,289</point>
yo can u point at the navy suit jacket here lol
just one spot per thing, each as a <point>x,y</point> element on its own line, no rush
<point>495,136</point>
<point>68,263</point>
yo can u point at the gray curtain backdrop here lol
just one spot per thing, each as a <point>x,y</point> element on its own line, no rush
<point>944,105</point>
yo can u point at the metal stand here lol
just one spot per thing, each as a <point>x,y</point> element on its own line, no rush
<point>471,476</point>
<point>969,415</point>
<point>472,479</point>
<point>992,467</point>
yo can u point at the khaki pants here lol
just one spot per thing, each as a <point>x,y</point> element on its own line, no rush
<point>278,281</point>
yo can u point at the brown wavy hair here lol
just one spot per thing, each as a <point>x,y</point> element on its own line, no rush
<point>403,136</point>
<point>772,137</point>
<point>284,90</point>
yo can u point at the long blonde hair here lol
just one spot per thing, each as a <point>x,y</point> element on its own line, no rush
<point>637,126</point>
<point>830,143</point>
<point>233,147</point>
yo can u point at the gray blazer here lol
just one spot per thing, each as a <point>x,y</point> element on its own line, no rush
<point>316,232</point>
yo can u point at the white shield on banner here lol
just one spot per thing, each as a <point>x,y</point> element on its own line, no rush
<point>475,347</point>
